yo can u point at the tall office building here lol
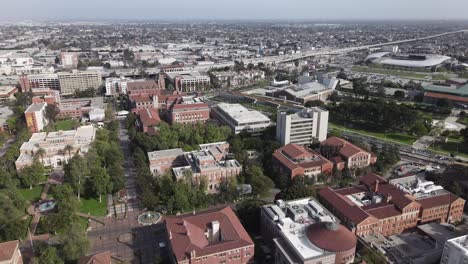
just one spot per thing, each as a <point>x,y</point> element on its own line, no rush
<point>70,82</point>
<point>455,251</point>
<point>303,127</point>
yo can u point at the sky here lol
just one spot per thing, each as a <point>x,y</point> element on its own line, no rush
<point>234,9</point>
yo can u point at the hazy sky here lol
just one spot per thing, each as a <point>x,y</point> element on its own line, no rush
<point>234,9</point>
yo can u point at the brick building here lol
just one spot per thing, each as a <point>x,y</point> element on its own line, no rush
<point>189,113</point>
<point>377,206</point>
<point>346,155</point>
<point>294,160</point>
<point>149,119</point>
<point>210,236</point>
<point>10,253</point>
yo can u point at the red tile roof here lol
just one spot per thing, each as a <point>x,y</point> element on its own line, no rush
<point>187,233</point>
<point>8,249</point>
<point>149,117</point>
<point>290,156</point>
<point>344,206</point>
<point>190,106</point>
<point>346,149</point>
<point>446,96</point>
<point>438,200</point>
<point>382,210</point>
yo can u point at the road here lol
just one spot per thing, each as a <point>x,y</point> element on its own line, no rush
<point>287,58</point>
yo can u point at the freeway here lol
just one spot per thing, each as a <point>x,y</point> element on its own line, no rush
<point>287,58</point>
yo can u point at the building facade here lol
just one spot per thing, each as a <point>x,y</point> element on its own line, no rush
<point>303,128</point>
<point>344,154</point>
<point>35,117</point>
<point>43,81</point>
<point>69,59</point>
<point>190,113</point>
<point>70,82</point>
<point>187,80</point>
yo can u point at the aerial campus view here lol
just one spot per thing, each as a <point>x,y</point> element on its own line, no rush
<point>200,132</point>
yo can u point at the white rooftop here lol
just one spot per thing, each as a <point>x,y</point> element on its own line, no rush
<point>243,115</point>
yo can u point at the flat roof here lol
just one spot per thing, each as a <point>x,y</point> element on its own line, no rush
<point>35,107</point>
<point>242,114</point>
<point>165,153</point>
<point>430,61</point>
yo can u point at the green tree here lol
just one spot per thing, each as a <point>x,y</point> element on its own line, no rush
<point>419,129</point>
<point>32,175</point>
<point>40,153</point>
<point>100,182</point>
<point>47,255</point>
<point>74,242</point>
<point>51,112</point>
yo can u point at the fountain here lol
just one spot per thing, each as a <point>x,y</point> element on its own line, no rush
<point>149,218</point>
<point>46,206</point>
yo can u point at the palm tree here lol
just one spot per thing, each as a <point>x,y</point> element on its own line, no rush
<point>40,153</point>
<point>68,148</point>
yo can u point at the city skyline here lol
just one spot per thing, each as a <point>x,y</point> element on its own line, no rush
<point>236,10</point>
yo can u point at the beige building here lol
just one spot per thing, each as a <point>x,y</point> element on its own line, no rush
<point>208,163</point>
<point>54,144</point>
<point>70,82</point>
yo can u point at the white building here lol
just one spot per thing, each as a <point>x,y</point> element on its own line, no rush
<point>69,59</point>
<point>116,86</point>
<point>97,114</point>
<point>239,118</point>
<point>303,127</point>
<point>54,144</point>
<point>455,251</point>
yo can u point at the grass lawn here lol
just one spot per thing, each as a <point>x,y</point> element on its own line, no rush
<point>390,137</point>
<point>93,206</point>
<point>31,195</point>
<point>439,77</point>
<point>387,71</point>
<point>66,124</point>
<point>451,146</point>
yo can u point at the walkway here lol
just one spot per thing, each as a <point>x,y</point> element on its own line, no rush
<point>36,215</point>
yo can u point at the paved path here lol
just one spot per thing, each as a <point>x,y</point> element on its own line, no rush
<point>36,215</point>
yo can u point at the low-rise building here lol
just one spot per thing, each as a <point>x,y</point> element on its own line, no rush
<point>210,236</point>
<point>188,81</point>
<point>320,89</point>
<point>231,79</point>
<point>35,117</point>
<point>53,144</point>
<point>304,127</point>
<point>7,93</point>
<point>208,163</point>
<point>455,251</point>
<point>303,231</point>
<point>10,253</point>
<point>149,120</point>
<point>239,118</point>
<point>293,160</point>
<point>377,206</point>
<point>346,155</point>
<point>190,113</point>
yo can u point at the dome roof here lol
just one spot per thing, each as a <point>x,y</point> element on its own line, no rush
<point>331,237</point>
